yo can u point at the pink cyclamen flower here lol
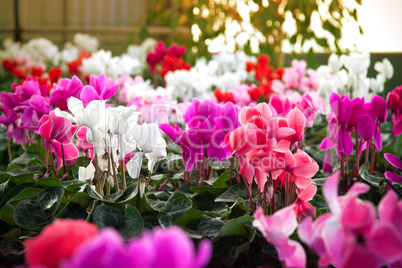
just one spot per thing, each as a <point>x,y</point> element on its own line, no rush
<point>303,208</point>
<point>58,131</point>
<point>276,229</point>
<point>351,234</point>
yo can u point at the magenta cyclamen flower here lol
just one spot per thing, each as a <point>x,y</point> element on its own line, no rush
<point>65,89</point>
<point>98,89</point>
<point>58,131</point>
<point>396,162</point>
<point>276,229</point>
<point>159,248</point>
<point>208,125</point>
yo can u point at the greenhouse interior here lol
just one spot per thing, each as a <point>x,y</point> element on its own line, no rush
<point>200,133</point>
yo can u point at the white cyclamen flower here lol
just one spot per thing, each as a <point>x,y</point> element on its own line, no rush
<point>385,68</point>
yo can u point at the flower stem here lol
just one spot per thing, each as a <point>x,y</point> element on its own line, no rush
<point>123,175</point>
<point>149,178</point>
<point>287,190</point>
<point>343,172</point>
<point>249,193</point>
<point>116,182</point>
<point>230,172</point>
<point>357,157</point>
<point>366,154</point>
<point>10,156</point>
<point>372,158</point>
<point>390,184</point>
<point>64,160</point>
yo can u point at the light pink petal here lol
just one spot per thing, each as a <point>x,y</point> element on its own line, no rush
<point>302,182</point>
<point>247,169</point>
<point>330,191</point>
<point>284,132</point>
<point>357,189</point>
<point>297,121</point>
<point>357,215</point>
<point>264,110</point>
<point>389,210</point>
<point>305,231</point>
<point>260,179</point>
<point>298,258</point>
<point>308,193</point>
<point>305,170</point>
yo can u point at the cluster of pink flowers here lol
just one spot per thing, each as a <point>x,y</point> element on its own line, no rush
<point>76,243</point>
<point>350,235</point>
<point>364,118</point>
<point>263,144</point>
<point>153,104</point>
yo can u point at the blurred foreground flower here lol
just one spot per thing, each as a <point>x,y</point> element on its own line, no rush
<point>75,243</point>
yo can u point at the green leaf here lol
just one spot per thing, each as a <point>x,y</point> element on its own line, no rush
<point>38,211</point>
<point>213,190</point>
<point>209,227</point>
<point>372,180</point>
<point>73,211</point>
<point>107,198</point>
<point>191,215</point>
<point>24,159</point>
<point>26,175</point>
<point>132,224</point>
<point>106,216</point>
<point>49,182</point>
<point>129,224</point>
<point>13,233</point>
<point>72,185</point>
<point>236,226</point>
<point>319,202</point>
<point>234,192</point>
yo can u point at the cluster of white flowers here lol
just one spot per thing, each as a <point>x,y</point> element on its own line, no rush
<point>140,51</point>
<point>102,62</point>
<point>352,78</point>
<point>86,42</point>
<point>114,131</point>
<point>11,49</point>
<point>41,50</point>
<point>225,71</point>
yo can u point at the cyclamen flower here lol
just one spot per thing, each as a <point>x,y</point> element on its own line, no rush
<point>395,105</point>
<point>57,242</point>
<point>208,125</point>
<point>276,229</point>
<point>65,89</point>
<point>159,248</point>
<point>396,162</point>
<point>98,89</point>
<point>351,234</point>
<point>58,132</point>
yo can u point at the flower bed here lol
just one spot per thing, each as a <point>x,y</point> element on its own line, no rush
<point>142,160</point>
